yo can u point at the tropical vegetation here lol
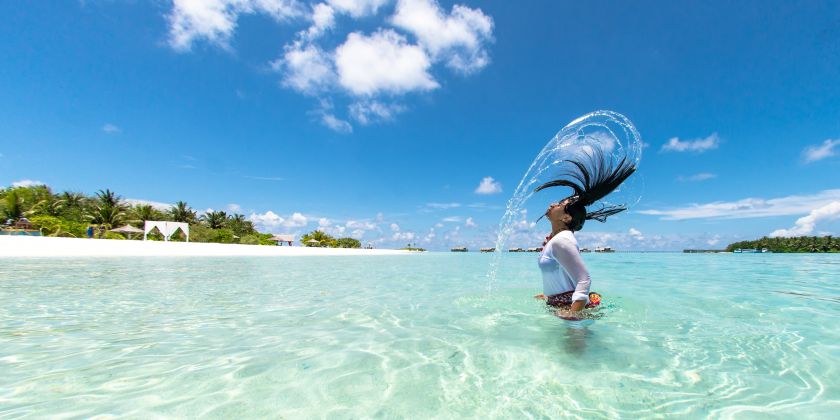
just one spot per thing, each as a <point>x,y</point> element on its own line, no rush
<point>69,214</point>
<point>795,244</point>
<point>318,238</point>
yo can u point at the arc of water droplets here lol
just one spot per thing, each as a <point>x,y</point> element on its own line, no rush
<point>609,130</point>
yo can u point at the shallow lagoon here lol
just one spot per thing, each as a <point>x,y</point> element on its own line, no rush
<point>717,335</point>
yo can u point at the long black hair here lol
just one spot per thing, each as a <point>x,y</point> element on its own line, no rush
<point>591,178</point>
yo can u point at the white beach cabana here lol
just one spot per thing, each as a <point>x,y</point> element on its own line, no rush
<point>166,228</point>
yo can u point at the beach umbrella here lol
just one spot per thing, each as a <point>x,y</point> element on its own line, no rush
<point>313,241</point>
<point>127,229</point>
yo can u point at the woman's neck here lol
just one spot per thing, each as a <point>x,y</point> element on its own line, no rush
<point>557,228</point>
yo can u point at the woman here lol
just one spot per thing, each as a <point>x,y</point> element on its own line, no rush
<point>566,280</point>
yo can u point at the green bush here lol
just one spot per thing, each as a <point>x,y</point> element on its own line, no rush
<point>54,226</point>
<point>347,243</point>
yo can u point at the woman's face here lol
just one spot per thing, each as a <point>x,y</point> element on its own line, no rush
<point>556,212</point>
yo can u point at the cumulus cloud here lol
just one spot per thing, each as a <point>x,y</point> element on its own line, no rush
<point>697,145</point>
<point>750,207</point>
<point>458,38</point>
<point>703,176</point>
<point>395,227</point>
<point>360,224</point>
<point>488,186</point>
<point>110,129</point>
<point>27,183</point>
<point>636,234</point>
<point>215,20</point>
<point>469,222</point>
<point>270,221</point>
<point>806,224</point>
<point>306,68</point>
<point>383,62</point>
<point>370,68</point>
<point>403,236</point>
<point>822,151</point>
<point>234,208</point>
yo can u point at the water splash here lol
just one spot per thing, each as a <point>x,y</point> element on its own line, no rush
<point>608,131</point>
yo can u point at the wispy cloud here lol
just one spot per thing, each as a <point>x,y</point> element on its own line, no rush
<point>821,151</point>
<point>703,176</point>
<point>806,224</point>
<point>442,206</point>
<point>27,183</point>
<point>264,178</point>
<point>452,219</point>
<point>749,207</point>
<point>674,144</point>
<point>155,204</point>
<point>110,129</point>
<point>488,186</point>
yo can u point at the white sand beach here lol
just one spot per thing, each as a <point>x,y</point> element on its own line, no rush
<point>34,246</point>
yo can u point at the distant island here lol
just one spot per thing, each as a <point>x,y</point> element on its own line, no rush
<point>37,210</point>
<point>799,244</point>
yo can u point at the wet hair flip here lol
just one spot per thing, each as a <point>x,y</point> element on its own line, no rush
<point>591,178</point>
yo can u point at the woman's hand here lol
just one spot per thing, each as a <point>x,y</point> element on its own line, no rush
<point>540,296</point>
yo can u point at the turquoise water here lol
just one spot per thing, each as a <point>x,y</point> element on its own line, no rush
<point>745,336</point>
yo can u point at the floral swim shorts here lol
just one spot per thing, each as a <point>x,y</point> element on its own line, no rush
<point>565,299</point>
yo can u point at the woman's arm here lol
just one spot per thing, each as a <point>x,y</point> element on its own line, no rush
<point>568,256</point>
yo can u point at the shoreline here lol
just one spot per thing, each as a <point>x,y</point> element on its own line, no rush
<point>35,246</point>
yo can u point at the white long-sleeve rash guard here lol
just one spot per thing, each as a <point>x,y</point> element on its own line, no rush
<point>562,267</point>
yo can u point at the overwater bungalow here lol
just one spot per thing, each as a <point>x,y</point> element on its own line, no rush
<point>459,249</point>
<point>535,249</point>
<point>604,249</point>
<point>585,250</point>
<point>488,249</point>
<point>516,250</point>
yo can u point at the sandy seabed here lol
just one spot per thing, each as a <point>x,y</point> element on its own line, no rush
<point>34,246</point>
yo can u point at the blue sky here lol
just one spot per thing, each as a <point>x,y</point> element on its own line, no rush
<point>381,119</point>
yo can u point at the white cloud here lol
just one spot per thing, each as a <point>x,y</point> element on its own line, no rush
<point>297,220</point>
<point>806,224</point>
<point>488,186</point>
<point>357,234</point>
<point>234,208</point>
<point>270,221</point>
<point>382,63</point>
<point>703,176</point>
<point>395,227</point>
<point>267,221</point>
<point>452,219</point>
<point>336,124</point>
<point>750,207</point>
<point>306,68</point>
<point>110,129</point>
<point>367,112</point>
<point>155,204</point>
<point>824,150</point>
<point>469,222</point>
<point>442,206</point>
<point>458,38</point>
<point>360,224</point>
<point>358,8</point>
<point>636,234</point>
<point>215,20</point>
<point>697,145</point>
<point>27,183</point>
<point>403,236</point>
<point>323,19</point>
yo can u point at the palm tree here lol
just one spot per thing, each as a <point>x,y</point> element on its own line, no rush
<point>143,212</point>
<point>13,209</point>
<point>181,212</point>
<point>215,219</point>
<point>239,225</point>
<point>108,209</point>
